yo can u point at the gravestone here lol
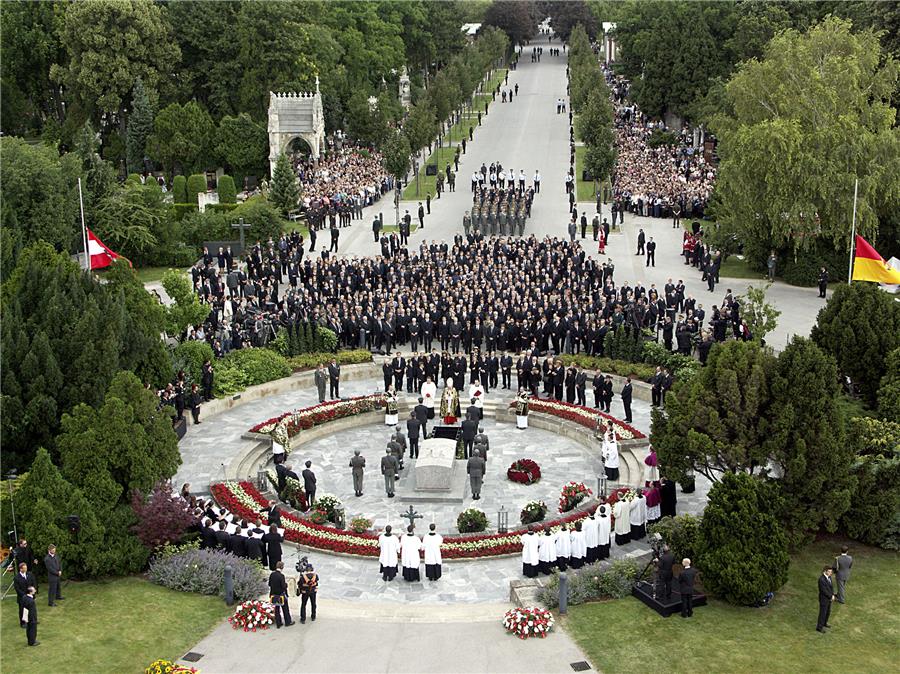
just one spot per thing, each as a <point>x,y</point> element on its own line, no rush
<point>434,466</point>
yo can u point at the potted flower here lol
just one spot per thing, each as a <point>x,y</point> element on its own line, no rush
<point>572,494</point>
<point>360,524</point>
<point>534,511</point>
<point>471,521</point>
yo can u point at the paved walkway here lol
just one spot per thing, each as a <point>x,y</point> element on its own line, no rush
<point>366,638</point>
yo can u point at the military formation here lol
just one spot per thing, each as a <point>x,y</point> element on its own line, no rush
<point>501,203</point>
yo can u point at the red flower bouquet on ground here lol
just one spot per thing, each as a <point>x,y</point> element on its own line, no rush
<point>253,615</point>
<point>572,494</point>
<point>524,471</point>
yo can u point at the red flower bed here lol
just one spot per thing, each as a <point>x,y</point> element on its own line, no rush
<point>321,414</point>
<point>524,471</point>
<point>583,416</point>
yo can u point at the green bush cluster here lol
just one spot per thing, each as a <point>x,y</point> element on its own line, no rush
<point>189,357</point>
<point>591,583</point>
<point>248,367</point>
<point>179,210</point>
<point>179,189</point>
<point>195,184</point>
<point>680,534</point>
<point>304,338</point>
<point>639,371</point>
<point>221,208</point>
<point>226,190</point>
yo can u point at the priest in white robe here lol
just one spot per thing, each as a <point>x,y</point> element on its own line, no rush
<point>389,546</point>
<point>547,552</point>
<point>589,527</point>
<point>530,553</point>
<point>622,515</point>
<point>610,454</point>
<point>429,395</point>
<point>603,529</point>
<point>579,549</point>
<point>391,407</point>
<point>432,545</point>
<point>410,547</point>
<point>522,410</point>
<point>638,518</point>
<point>563,548</point>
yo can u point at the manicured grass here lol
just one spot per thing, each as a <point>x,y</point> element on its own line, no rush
<point>394,228</point>
<point>626,636</point>
<point>144,274</point>
<point>443,156</point>
<point>497,78</point>
<point>117,625</point>
<point>734,267</point>
<point>301,226</point>
<point>584,189</point>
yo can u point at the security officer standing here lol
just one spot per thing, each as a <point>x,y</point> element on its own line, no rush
<point>413,428</point>
<point>357,465</point>
<point>475,469</point>
<point>389,468</point>
<point>307,586</point>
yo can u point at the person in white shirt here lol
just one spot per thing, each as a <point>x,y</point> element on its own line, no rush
<point>476,392</point>
<point>610,453</point>
<point>622,513</point>
<point>638,518</point>
<point>579,549</point>
<point>410,546</point>
<point>589,527</point>
<point>432,545</point>
<point>547,552</point>
<point>530,553</point>
<point>390,549</point>
<point>428,392</point>
<point>563,548</point>
<point>537,182</point>
<point>603,528</point>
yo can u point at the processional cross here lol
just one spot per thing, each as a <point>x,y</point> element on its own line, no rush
<point>412,516</point>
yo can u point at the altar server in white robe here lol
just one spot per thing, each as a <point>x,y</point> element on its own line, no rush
<point>638,518</point>
<point>530,553</point>
<point>563,548</point>
<point>579,549</point>
<point>390,550</point>
<point>547,552</point>
<point>429,392</point>
<point>432,544</point>
<point>622,514</point>
<point>603,527</point>
<point>589,527</point>
<point>410,547</point>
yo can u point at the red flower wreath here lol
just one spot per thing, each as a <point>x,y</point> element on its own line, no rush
<point>524,471</point>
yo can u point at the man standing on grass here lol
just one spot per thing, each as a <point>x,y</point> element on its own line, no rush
<point>826,596</point>
<point>842,564</point>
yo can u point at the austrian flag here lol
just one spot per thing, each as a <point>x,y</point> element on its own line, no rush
<point>101,255</point>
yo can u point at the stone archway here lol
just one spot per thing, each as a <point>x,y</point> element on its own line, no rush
<point>295,115</point>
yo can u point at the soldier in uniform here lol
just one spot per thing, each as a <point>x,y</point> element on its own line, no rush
<point>357,464</point>
<point>390,467</point>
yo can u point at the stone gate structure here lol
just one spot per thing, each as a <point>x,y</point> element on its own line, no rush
<point>295,115</point>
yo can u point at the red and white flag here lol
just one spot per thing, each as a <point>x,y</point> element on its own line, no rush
<point>101,255</point>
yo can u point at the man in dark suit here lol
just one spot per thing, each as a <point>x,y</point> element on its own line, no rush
<point>23,580</point>
<point>54,575</point>
<point>666,562</point>
<point>506,363</point>
<point>421,413</point>
<point>272,541</point>
<point>207,536</point>
<point>651,253</point>
<point>826,596</point>
<point>626,399</point>
<point>334,377</point>
<point>686,588</point>
<point>281,474</point>
<point>272,513</point>
<point>278,591</point>
<point>413,428</point>
<point>309,484</point>
<point>223,540</point>
<point>641,238</point>
<point>30,605</point>
<point>469,430</point>
<point>472,411</point>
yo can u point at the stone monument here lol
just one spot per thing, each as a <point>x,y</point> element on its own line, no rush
<point>434,467</point>
<point>405,94</point>
<point>295,115</point>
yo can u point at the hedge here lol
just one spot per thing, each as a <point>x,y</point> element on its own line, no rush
<point>133,179</point>
<point>182,209</point>
<point>225,188</point>
<point>307,361</point>
<point>190,356</point>
<point>640,371</point>
<point>179,189</point>
<point>195,184</point>
<point>221,208</point>
<point>247,367</point>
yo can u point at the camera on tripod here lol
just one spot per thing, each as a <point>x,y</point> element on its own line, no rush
<point>303,565</point>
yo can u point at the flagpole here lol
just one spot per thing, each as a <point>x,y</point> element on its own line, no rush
<point>87,257</point>
<point>853,232</point>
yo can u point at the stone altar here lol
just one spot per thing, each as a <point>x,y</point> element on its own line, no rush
<point>434,467</point>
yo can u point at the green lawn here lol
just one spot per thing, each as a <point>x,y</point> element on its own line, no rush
<point>118,625</point>
<point>584,189</point>
<point>735,267</point>
<point>626,636</point>
<point>414,225</point>
<point>442,156</point>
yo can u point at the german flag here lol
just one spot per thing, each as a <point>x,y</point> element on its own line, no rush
<point>868,265</point>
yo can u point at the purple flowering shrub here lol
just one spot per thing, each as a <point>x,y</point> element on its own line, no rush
<point>203,571</point>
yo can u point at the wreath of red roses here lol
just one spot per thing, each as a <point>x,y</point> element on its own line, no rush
<point>524,471</point>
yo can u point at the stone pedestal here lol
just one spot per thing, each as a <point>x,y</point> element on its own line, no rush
<point>434,466</point>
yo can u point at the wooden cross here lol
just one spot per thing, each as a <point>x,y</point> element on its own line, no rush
<point>412,516</point>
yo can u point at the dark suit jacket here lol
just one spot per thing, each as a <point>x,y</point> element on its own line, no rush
<point>413,426</point>
<point>626,393</point>
<point>309,480</point>
<point>273,546</point>
<point>29,603</point>
<point>421,413</point>
<point>469,429</point>
<point>686,581</point>
<point>277,583</point>
<point>223,538</point>
<point>22,584</point>
<point>52,565</point>
<point>826,590</point>
<point>666,562</point>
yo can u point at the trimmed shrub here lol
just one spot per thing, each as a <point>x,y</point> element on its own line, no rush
<point>639,371</point>
<point>190,356</point>
<point>203,571</point>
<point>226,189</point>
<point>195,184</point>
<point>325,339</point>
<point>742,548</point>
<point>874,515</point>
<point>133,179</point>
<point>680,534</point>
<point>591,583</point>
<point>248,367</point>
<point>179,189</point>
<point>181,210</point>
<point>307,361</point>
<point>471,521</point>
<point>221,208</point>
